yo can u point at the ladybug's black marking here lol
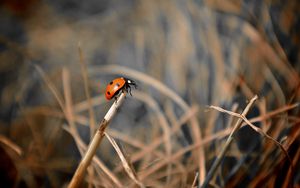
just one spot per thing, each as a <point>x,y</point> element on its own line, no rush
<point>117,86</point>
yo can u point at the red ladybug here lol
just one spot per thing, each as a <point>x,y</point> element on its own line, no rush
<point>117,85</point>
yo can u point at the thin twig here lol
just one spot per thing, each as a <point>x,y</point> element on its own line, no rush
<point>165,127</point>
<point>83,147</point>
<point>260,131</point>
<point>195,179</point>
<point>83,67</point>
<point>227,144</point>
<point>87,91</point>
<point>10,144</point>
<point>80,172</point>
<point>126,164</point>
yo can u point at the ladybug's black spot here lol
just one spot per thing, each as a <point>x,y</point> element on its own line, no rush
<point>110,83</point>
<point>108,93</point>
<point>117,84</point>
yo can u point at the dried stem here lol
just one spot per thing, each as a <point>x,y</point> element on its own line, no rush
<point>80,172</point>
<point>260,131</point>
<point>84,73</point>
<point>227,144</point>
<point>10,144</point>
<point>195,180</point>
<point>125,162</point>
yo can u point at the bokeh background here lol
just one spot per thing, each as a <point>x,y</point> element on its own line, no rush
<point>184,55</point>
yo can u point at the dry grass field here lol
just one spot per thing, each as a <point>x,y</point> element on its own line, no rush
<point>197,65</point>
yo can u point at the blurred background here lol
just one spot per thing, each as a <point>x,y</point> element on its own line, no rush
<point>56,58</point>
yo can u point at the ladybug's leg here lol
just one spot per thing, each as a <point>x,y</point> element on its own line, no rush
<point>134,84</point>
<point>117,94</point>
<point>129,88</point>
<point>116,99</point>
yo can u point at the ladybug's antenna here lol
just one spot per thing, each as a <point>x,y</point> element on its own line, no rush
<point>129,88</point>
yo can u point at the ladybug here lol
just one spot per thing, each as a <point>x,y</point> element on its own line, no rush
<point>119,84</point>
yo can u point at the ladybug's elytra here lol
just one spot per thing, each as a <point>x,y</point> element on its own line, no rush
<point>117,85</point>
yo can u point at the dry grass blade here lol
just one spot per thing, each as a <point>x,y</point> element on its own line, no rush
<point>69,104</point>
<point>96,101</point>
<point>195,180</point>
<point>11,145</point>
<point>155,143</point>
<point>188,115</point>
<point>177,155</point>
<point>90,105</point>
<point>126,164</point>
<point>267,51</point>
<point>83,147</point>
<point>164,124</point>
<point>51,86</point>
<point>87,92</point>
<point>273,113</point>
<point>86,160</point>
<point>219,158</point>
<point>68,97</point>
<point>257,129</point>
